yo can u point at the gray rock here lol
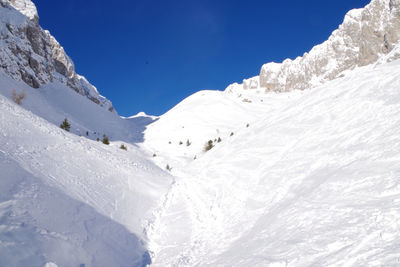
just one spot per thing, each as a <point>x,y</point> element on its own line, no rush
<point>33,55</point>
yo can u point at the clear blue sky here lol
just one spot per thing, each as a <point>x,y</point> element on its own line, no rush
<point>149,55</point>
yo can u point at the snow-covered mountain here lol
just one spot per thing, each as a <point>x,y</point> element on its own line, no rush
<point>33,55</point>
<point>66,199</point>
<point>309,178</point>
<point>294,177</point>
<point>366,35</point>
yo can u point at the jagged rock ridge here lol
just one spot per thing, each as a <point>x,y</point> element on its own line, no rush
<point>31,54</point>
<point>366,35</point>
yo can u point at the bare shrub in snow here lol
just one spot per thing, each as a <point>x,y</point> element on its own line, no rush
<point>18,96</point>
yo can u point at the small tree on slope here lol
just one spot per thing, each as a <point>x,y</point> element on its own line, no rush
<point>208,145</point>
<point>123,147</point>
<point>105,140</point>
<point>65,125</point>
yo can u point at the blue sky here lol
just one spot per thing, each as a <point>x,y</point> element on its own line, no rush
<point>149,55</point>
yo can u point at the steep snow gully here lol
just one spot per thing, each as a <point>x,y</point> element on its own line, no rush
<point>290,177</point>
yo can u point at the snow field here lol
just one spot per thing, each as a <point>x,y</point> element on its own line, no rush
<point>314,181</point>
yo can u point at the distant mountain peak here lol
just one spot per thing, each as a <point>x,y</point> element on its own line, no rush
<point>365,36</point>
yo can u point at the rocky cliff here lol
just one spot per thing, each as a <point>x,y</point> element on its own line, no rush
<point>33,55</point>
<point>366,36</point>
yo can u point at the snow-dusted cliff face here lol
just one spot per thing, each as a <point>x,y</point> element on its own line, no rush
<point>31,54</point>
<point>26,7</point>
<point>366,36</point>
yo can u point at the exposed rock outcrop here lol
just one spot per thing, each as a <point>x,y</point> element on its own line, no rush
<point>366,35</point>
<point>33,55</point>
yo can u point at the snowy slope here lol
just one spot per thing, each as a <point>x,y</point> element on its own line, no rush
<point>67,199</point>
<point>55,102</point>
<point>301,178</point>
<point>198,119</point>
<point>313,181</point>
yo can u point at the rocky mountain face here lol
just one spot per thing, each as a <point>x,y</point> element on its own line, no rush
<point>366,36</point>
<point>33,55</point>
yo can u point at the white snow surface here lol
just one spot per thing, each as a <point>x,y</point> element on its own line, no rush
<point>314,180</point>
<point>300,178</point>
<point>309,178</point>
<point>66,199</point>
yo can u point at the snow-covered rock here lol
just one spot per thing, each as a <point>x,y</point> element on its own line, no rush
<point>33,55</point>
<point>365,36</point>
<point>26,7</point>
